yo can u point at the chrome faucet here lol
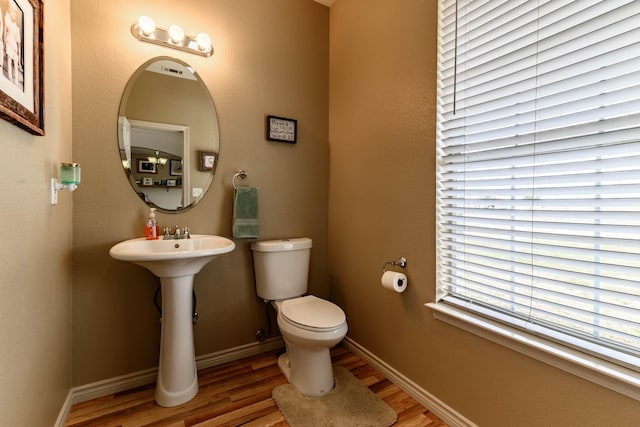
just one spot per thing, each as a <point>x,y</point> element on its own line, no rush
<point>177,234</point>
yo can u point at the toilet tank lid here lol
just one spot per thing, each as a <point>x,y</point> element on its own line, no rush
<point>282,245</point>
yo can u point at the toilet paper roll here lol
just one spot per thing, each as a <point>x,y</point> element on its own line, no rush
<point>394,281</point>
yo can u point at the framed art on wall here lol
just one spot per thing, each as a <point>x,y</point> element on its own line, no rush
<point>21,78</point>
<point>281,129</point>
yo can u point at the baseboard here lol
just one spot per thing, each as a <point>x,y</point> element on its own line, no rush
<point>428,400</point>
<point>64,411</point>
<point>126,382</point>
<point>236,353</point>
<point>137,379</point>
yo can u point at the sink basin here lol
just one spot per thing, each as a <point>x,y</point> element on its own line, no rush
<point>171,258</point>
<point>175,262</point>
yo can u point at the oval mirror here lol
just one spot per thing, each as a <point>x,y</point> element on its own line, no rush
<point>168,134</point>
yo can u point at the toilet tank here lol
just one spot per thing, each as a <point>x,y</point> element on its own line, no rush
<point>281,267</point>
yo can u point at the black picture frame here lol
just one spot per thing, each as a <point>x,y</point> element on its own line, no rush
<point>145,166</point>
<point>22,87</point>
<point>282,129</point>
<point>175,167</point>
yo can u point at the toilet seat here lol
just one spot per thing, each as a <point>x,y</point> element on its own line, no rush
<point>312,314</point>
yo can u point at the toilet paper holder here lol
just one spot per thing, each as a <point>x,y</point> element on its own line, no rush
<point>400,262</point>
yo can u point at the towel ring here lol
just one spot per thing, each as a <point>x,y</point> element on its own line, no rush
<point>242,174</point>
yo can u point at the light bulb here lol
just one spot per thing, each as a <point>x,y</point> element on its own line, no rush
<point>146,25</point>
<point>176,33</point>
<point>204,42</point>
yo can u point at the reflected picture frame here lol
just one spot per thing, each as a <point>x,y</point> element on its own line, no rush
<point>175,167</point>
<point>21,81</point>
<point>207,160</point>
<point>145,166</point>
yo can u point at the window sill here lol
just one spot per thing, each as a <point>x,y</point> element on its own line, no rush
<point>591,368</point>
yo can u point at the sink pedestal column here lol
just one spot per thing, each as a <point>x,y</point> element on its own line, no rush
<point>177,372</point>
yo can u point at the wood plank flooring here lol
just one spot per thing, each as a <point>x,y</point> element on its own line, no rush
<point>237,394</point>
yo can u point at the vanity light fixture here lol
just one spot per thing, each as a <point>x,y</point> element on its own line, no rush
<point>69,180</point>
<point>174,37</point>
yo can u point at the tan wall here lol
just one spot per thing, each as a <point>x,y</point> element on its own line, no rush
<point>381,207</point>
<point>35,253</point>
<point>270,58</point>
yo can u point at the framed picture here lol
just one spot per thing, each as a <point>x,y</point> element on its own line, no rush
<point>147,181</point>
<point>171,183</point>
<point>145,166</point>
<point>207,160</point>
<point>176,167</point>
<point>281,129</point>
<point>21,77</point>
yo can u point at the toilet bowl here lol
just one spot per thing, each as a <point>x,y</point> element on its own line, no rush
<point>310,327</point>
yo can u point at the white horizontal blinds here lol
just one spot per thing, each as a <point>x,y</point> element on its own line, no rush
<point>539,163</point>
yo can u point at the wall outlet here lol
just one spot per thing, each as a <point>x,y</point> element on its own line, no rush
<point>196,192</point>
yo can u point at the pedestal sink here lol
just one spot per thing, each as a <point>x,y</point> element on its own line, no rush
<point>175,262</point>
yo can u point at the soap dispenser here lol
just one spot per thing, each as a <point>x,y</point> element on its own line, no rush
<point>152,230</point>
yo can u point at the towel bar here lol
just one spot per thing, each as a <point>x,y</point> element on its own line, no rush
<point>242,174</point>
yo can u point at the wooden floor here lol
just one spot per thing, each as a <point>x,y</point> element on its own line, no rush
<point>234,394</point>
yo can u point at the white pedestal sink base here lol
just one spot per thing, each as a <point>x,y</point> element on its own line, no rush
<point>177,372</point>
<point>175,262</point>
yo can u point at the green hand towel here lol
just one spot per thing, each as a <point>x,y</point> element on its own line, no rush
<point>245,213</point>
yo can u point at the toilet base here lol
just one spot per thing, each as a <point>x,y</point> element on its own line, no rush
<point>309,370</point>
<point>285,365</point>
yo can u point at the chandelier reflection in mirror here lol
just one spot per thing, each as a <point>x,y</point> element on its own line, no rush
<point>174,37</point>
<point>158,160</point>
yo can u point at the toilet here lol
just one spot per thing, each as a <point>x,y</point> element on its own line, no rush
<point>309,325</point>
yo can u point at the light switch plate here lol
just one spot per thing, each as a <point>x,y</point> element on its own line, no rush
<point>53,192</point>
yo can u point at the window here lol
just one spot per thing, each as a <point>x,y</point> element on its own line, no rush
<point>539,169</point>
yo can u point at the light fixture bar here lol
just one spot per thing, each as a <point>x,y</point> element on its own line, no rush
<point>173,37</point>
